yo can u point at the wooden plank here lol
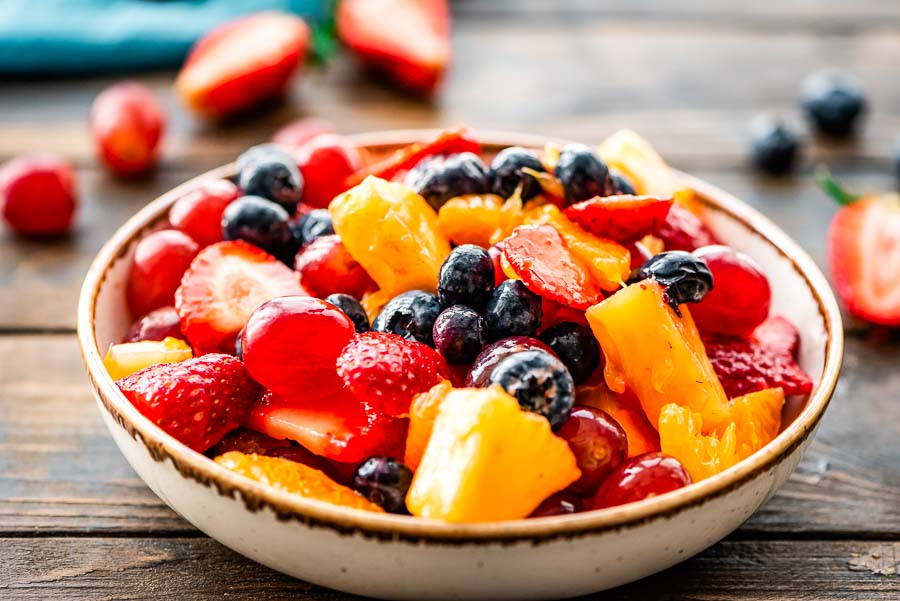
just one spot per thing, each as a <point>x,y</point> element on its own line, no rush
<point>176,568</point>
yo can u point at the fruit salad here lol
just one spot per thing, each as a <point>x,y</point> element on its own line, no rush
<point>454,334</point>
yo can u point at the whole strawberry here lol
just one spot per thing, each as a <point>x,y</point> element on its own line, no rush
<point>197,401</point>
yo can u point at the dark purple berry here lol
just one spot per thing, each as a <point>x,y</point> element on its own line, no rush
<point>505,174</point>
<point>621,184</point>
<point>459,334</point>
<point>540,382</point>
<point>440,178</point>
<point>575,346</point>
<point>491,355</point>
<point>466,277</point>
<point>774,144</point>
<point>312,226</point>
<point>260,222</point>
<point>833,102</point>
<point>685,277</point>
<point>352,308</point>
<point>582,173</point>
<point>512,310</point>
<point>385,482</point>
<point>411,315</point>
<point>270,172</point>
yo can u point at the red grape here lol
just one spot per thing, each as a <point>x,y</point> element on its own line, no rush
<point>599,444</point>
<point>37,195</point>
<point>127,123</point>
<point>561,503</point>
<point>740,298</point>
<point>326,267</point>
<point>159,261</point>
<point>156,325</point>
<point>325,162</point>
<point>199,212</point>
<point>494,353</point>
<point>641,477</point>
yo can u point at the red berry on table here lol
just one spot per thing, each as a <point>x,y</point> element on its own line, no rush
<point>299,132</point>
<point>683,230</point>
<point>746,366</point>
<point>225,283</point>
<point>326,162</point>
<point>641,477</point>
<point>156,325</point>
<point>199,212</point>
<point>740,297</point>
<point>159,261</point>
<point>326,267</point>
<point>598,443</point>
<point>290,345</point>
<point>37,195</point>
<point>127,124</point>
<point>197,401</point>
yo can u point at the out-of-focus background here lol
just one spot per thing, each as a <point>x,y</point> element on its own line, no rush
<point>688,75</point>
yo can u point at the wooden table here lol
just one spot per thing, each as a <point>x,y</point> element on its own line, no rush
<point>77,523</point>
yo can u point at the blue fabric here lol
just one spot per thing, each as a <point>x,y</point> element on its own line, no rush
<point>97,36</point>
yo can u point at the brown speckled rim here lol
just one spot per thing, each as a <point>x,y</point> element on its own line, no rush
<point>195,466</point>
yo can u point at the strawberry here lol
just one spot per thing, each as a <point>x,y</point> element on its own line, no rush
<point>779,335</point>
<point>408,40</point>
<point>745,366</point>
<point>197,401</point>
<point>682,230</point>
<point>242,62</point>
<point>622,218</point>
<point>385,371</point>
<point>224,284</point>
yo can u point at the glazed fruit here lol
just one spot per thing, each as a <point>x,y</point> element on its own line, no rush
<point>410,315</point>
<point>312,226</point>
<point>741,297</point>
<point>199,212</point>
<point>540,382</point>
<point>512,310</point>
<point>37,195</point>
<point>325,163</point>
<point>466,277</point>
<point>561,503</point>
<point>440,178</point>
<point>683,230</point>
<point>757,419</point>
<point>127,123</point>
<point>459,334</point>
<point>774,144</point>
<point>156,325</point>
<point>294,478</point>
<point>505,175</point>
<point>225,283</point>
<point>385,482</point>
<point>270,172</point>
<point>491,355</point>
<point>684,277</point>
<point>745,366</point>
<point>352,308</point>
<point>833,102</point>
<point>575,346</point>
<point>385,371</point>
<point>157,265</point>
<point>214,391</point>
<point>477,218</point>
<point>260,222</point>
<point>300,131</point>
<point>621,218</point>
<point>632,156</point>
<point>487,460</point>
<point>582,173</point>
<point>702,455</point>
<point>127,358</point>
<point>290,345</point>
<point>326,267</point>
<point>422,413</point>
<point>598,443</point>
<point>640,478</point>
<point>626,409</point>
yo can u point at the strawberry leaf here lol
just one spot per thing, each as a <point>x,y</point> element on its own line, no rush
<point>832,188</point>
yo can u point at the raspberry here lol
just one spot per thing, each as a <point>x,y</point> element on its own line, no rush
<point>745,366</point>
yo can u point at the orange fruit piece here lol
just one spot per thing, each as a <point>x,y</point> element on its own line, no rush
<point>472,219</point>
<point>626,410</point>
<point>422,413</point>
<point>129,357</point>
<point>488,460</point>
<point>294,478</point>
<point>703,455</point>
<point>757,417</point>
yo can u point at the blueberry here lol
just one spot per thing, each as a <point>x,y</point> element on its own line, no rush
<point>271,173</point>
<point>621,184</point>
<point>440,178</point>
<point>313,225</point>
<point>774,144</point>
<point>466,277</point>
<point>575,346</point>
<point>505,174</point>
<point>582,173</point>
<point>540,382</point>
<point>897,158</point>
<point>833,102</point>
<point>352,308</point>
<point>411,315</point>
<point>686,278</point>
<point>259,222</point>
<point>385,482</point>
<point>254,152</point>
<point>512,310</point>
<point>459,334</point>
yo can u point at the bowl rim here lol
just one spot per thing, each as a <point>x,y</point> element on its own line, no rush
<point>196,466</point>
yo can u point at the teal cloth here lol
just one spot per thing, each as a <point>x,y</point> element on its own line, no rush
<point>99,36</point>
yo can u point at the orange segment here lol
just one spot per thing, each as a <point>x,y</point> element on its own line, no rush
<point>757,417</point>
<point>626,410</point>
<point>680,435</point>
<point>422,413</point>
<point>471,219</point>
<point>294,478</point>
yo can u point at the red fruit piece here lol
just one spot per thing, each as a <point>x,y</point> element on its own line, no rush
<point>325,162</point>
<point>385,371</point>
<point>408,40</point>
<point>156,325</point>
<point>242,62</point>
<point>555,313</point>
<point>778,335</point>
<point>159,262</point>
<point>290,345</point>
<point>491,356</point>
<point>225,283</point>
<point>622,218</point>
<point>37,195</point>
<point>326,267</point>
<point>746,366</point>
<point>561,503</point>
<point>598,443</point>
<point>641,477</point>
<point>496,251</point>
<point>197,401</point>
<point>682,230</point>
<point>299,132</point>
<point>740,298</point>
<point>127,124</point>
<point>864,257</point>
<point>449,141</point>
<point>199,212</point>
<point>251,442</point>
<point>539,256</point>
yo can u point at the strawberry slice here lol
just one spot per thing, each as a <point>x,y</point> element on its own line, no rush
<point>779,335</point>
<point>408,40</point>
<point>682,230</point>
<point>623,218</point>
<point>223,286</point>
<point>746,366</point>
<point>539,256</point>
<point>450,141</point>
<point>242,62</point>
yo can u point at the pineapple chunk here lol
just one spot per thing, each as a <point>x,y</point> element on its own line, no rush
<point>633,156</point>
<point>702,455</point>
<point>422,413</point>
<point>757,416</point>
<point>130,357</point>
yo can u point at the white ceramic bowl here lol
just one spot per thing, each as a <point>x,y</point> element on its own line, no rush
<point>399,557</point>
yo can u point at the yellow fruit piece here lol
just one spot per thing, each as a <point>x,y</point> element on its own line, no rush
<point>471,219</point>
<point>422,413</point>
<point>374,302</point>
<point>757,417</point>
<point>657,354</point>
<point>680,435</point>
<point>488,460</point>
<point>608,262</point>
<point>393,233</point>
<point>130,357</point>
<point>637,159</point>
<point>294,478</point>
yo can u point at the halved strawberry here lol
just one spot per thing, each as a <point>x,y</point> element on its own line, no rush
<point>242,62</point>
<point>408,40</point>
<point>778,334</point>
<point>682,230</point>
<point>622,218</point>
<point>223,286</point>
<point>745,366</point>
<point>450,141</point>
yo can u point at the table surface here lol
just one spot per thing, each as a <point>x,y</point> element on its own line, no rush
<point>77,523</point>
